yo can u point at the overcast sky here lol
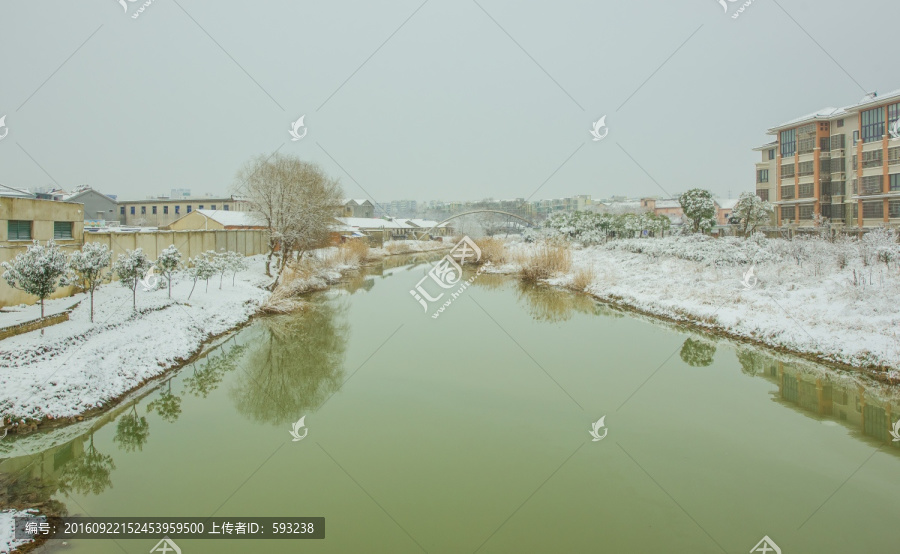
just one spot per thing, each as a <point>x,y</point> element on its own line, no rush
<point>446,99</point>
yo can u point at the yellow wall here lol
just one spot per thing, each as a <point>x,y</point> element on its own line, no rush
<point>194,221</point>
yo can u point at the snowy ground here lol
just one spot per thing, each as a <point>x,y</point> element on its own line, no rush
<point>798,297</point>
<point>13,315</point>
<point>7,530</point>
<point>76,366</point>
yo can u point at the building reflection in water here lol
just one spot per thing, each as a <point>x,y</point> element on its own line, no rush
<point>866,406</point>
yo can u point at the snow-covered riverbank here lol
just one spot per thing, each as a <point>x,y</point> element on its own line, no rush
<point>76,367</point>
<point>810,297</point>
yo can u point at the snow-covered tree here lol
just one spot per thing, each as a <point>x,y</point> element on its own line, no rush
<point>87,267</point>
<point>235,262</point>
<point>203,267</point>
<point>882,244</point>
<point>38,271</point>
<point>295,200</point>
<point>752,211</point>
<point>130,268</point>
<point>168,263</point>
<point>699,210</point>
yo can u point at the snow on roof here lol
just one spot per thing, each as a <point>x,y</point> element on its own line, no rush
<point>359,201</point>
<point>668,204</point>
<point>423,223</point>
<point>728,203</point>
<point>14,193</point>
<point>824,113</point>
<point>232,219</point>
<point>374,223</point>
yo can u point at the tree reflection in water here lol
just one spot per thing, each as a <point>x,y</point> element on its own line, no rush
<point>206,379</point>
<point>132,431</point>
<point>88,473</point>
<point>168,405</point>
<point>293,367</point>
<point>553,305</point>
<point>698,353</point>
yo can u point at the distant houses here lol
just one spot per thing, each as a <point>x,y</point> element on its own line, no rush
<point>215,220</point>
<point>356,207</point>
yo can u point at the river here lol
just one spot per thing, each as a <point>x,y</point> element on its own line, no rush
<point>471,433</point>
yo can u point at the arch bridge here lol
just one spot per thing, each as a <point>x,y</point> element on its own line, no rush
<point>427,232</point>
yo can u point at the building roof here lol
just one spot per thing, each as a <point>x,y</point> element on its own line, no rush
<point>231,219</point>
<point>832,113</point>
<point>14,193</point>
<point>374,223</point>
<point>193,200</point>
<point>423,223</point>
<point>727,203</point>
<point>667,204</point>
<point>767,146</point>
<point>359,201</point>
<point>72,197</point>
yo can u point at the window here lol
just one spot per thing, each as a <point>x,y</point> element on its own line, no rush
<point>177,210</point>
<point>894,208</point>
<point>872,124</point>
<point>763,194</point>
<point>806,191</point>
<point>200,207</point>
<point>873,210</point>
<point>855,137</point>
<point>213,207</point>
<point>18,230</point>
<point>189,208</point>
<point>836,142</point>
<point>806,212</point>
<point>165,210</point>
<point>787,171</point>
<point>806,138</point>
<point>895,181</point>
<point>132,210</point>
<point>225,207</point>
<point>840,122</point>
<point>872,159</point>
<point>122,210</point>
<point>787,213</point>
<point>154,210</point>
<point>894,155</point>
<point>771,153</point>
<point>143,210</point>
<point>62,229</point>
<point>762,176</point>
<point>893,114</point>
<point>872,184</point>
<point>836,165</point>
<point>788,143</point>
<point>787,192</point>
<point>805,168</point>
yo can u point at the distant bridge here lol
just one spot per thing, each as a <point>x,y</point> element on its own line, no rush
<point>439,223</point>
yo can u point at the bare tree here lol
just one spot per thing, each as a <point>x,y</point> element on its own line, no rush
<point>295,200</point>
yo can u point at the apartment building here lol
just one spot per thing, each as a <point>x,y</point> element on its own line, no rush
<point>159,212</point>
<point>840,163</point>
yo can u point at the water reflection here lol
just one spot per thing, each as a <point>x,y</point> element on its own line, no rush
<point>868,407</point>
<point>698,353</point>
<point>88,473</point>
<point>132,431</point>
<point>554,305</point>
<point>292,366</point>
<point>208,373</point>
<point>167,405</point>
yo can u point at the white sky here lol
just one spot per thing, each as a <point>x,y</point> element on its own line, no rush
<point>449,107</point>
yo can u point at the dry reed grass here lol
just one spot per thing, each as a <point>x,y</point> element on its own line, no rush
<point>548,259</point>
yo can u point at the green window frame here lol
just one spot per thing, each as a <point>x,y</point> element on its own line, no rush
<point>62,230</point>
<point>18,230</point>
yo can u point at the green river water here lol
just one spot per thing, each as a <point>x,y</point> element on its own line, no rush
<point>470,433</point>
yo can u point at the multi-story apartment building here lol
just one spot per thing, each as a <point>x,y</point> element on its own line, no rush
<point>840,163</point>
<point>159,212</point>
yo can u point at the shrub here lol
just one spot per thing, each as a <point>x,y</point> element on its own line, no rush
<point>549,258</point>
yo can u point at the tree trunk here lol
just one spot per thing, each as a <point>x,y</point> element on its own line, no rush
<point>42,307</point>
<point>169,279</point>
<point>134,295</point>
<point>192,289</point>
<point>92,304</point>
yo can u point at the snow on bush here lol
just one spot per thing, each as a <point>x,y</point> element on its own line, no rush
<point>86,266</point>
<point>38,271</point>
<point>130,268</point>
<point>167,264</point>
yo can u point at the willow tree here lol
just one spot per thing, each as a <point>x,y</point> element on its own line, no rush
<point>296,201</point>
